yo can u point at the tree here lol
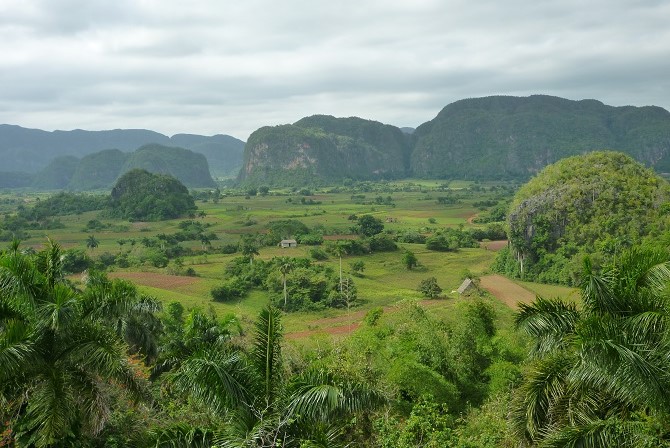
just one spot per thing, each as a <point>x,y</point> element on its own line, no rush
<point>429,288</point>
<point>205,241</point>
<point>340,249</point>
<point>59,360</point>
<point>409,260</point>
<point>599,375</point>
<point>91,242</point>
<point>285,266</point>
<point>368,225</point>
<point>263,407</point>
<point>249,247</point>
<point>357,267</point>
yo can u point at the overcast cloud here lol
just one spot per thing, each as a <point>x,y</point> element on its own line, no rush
<point>215,66</point>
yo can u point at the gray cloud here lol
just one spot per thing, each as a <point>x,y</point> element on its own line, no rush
<point>230,67</point>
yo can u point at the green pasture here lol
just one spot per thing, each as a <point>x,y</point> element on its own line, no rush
<point>385,281</point>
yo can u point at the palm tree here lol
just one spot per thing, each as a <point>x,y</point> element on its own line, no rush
<point>132,315</point>
<point>339,249</point>
<point>263,407</point>
<point>92,242</point>
<point>57,364</point>
<point>599,375</point>
<point>285,266</point>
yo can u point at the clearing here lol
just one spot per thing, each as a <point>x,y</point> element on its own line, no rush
<point>506,290</point>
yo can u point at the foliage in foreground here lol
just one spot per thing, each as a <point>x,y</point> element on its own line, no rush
<point>599,375</point>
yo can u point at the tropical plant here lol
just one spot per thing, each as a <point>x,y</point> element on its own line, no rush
<point>285,266</point>
<point>262,407</point>
<point>599,373</point>
<point>59,361</point>
<point>92,242</point>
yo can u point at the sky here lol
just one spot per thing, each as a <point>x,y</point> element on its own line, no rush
<point>229,67</point>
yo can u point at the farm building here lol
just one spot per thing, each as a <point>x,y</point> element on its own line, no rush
<point>288,243</point>
<point>466,287</point>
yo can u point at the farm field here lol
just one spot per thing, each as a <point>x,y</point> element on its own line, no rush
<point>408,206</point>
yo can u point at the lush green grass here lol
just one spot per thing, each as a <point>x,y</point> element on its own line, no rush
<point>385,281</point>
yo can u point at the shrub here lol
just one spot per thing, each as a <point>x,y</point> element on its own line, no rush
<point>429,288</point>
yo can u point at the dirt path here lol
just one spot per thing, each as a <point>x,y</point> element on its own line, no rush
<point>506,290</point>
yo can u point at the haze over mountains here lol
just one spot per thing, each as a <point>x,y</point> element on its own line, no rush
<point>498,137</point>
<point>31,150</point>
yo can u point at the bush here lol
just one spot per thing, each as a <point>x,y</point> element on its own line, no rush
<point>382,243</point>
<point>430,288</point>
<point>231,289</point>
<point>318,254</point>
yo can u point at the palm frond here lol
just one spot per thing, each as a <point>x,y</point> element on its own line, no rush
<point>51,409</point>
<point>549,321</point>
<point>545,387</point>
<point>266,352</point>
<point>216,379</point>
<point>17,350</point>
<point>602,434</point>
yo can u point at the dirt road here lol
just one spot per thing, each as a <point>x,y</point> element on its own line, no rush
<point>506,290</point>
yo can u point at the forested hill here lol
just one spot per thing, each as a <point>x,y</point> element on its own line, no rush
<point>323,147</point>
<point>30,150</point>
<point>511,137</point>
<point>101,169</point>
<point>495,137</point>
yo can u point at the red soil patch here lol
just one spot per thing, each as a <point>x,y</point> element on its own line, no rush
<point>506,290</point>
<point>494,246</point>
<point>155,280</point>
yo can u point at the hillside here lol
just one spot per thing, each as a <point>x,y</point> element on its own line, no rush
<point>325,148</point>
<point>189,167</point>
<point>30,150</point>
<point>514,138</point>
<point>101,169</point>
<point>484,138</point>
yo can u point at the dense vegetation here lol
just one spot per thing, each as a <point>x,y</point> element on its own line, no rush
<point>331,342</point>
<point>322,148</point>
<point>99,366</point>
<point>599,373</point>
<point>485,138</point>
<point>595,204</point>
<point>143,196</point>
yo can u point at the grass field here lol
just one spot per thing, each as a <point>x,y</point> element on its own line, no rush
<point>413,206</point>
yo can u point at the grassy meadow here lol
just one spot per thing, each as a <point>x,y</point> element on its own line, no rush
<point>385,281</point>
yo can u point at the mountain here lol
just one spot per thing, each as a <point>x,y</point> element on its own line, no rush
<point>57,174</point>
<point>98,170</point>
<point>189,167</point>
<point>223,152</point>
<point>31,150</point>
<point>325,148</point>
<point>101,170</point>
<point>498,137</point>
<point>503,137</point>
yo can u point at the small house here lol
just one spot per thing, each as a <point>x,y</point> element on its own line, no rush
<point>288,243</point>
<point>466,287</point>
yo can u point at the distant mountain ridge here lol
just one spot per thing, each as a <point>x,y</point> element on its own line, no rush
<point>31,150</point>
<point>490,138</point>
<point>101,170</point>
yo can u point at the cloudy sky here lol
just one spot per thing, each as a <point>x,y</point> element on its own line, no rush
<point>217,66</point>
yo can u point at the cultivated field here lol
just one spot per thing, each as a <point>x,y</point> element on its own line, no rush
<point>416,206</point>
